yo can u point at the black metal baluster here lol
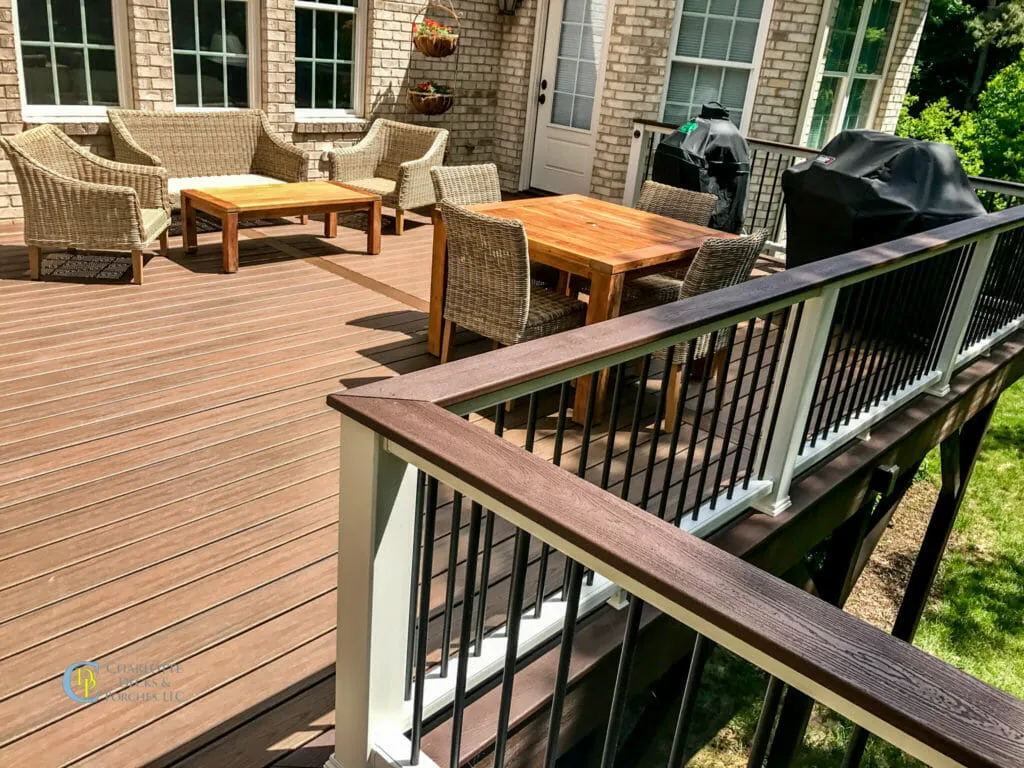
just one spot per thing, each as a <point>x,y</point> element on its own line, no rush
<point>634,432</point>
<point>841,395</point>
<point>659,414</point>
<point>867,361</point>
<point>621,690</point>
<point>485,563</point>
<point>414,582</point>
<point>760,189</point>
<point>927,362</point>
<point>574,572</point>
<point>465,633</point>
<point>613,424</point>
<point>677,427</point>
<point>827,372</point>
<point>545,550</point>
<point>928,286</point>
<point>429,519</point>
<point>900,279</point>
<point>759,746</point>
<point>520,562</point>
<point>698,659</point>
<point>766,326</point>
<point>721,380</point>
<point>697,422</point>
<point>772,369</point>
<point>581,469</point>
<point>449,589</point>
<point>730,421</point>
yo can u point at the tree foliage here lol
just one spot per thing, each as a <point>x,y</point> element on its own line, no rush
<point>997,124</point>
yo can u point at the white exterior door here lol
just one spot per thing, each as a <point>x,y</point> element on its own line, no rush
<point>563,153</point>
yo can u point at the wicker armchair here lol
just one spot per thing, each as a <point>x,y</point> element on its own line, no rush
<point>75,199</point>
<point>488,288</point>
<point>467,184</point>
<point>393,160</point>
<point>719,263</point>
<point>206,149</point>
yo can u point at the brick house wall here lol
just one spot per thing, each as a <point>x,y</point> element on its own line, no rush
<point>489,122</point>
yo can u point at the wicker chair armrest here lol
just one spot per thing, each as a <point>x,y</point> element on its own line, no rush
<point>65,212</point>
<point>150,183</point>
<point>359,161</point>
<point>126,149</point>
<point>414,186</point>
<point>278,158</point>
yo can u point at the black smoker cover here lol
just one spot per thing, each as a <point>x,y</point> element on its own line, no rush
<point>866,188</point>
<point>709,154</point>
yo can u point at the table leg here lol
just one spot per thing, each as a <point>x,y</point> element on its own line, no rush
<point>229,242</point>
<point>605,298</point>
<point>331,224</point>
<point>190,240</point>
<point>438,282</point>
<point>373,228</point>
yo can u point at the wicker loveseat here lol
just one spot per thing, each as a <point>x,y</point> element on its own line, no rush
<point>206,149</point>
<point>75,199</point>
<point>393,160</point>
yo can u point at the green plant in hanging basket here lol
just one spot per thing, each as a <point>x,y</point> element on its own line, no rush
<point>430,98</point>
<point>434,39</point>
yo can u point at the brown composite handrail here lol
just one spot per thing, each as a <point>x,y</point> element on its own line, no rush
<point>467,379</point>
<point>925,706</point>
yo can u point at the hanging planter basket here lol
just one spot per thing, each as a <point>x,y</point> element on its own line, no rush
<point>433,38</point>
<point>430,103</point>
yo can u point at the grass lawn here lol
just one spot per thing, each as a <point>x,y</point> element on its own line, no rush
<point>974,619</point>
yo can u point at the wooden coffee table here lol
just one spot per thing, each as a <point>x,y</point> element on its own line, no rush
<point>229,204</point>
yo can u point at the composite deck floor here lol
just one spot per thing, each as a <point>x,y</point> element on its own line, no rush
<point>168,490</point>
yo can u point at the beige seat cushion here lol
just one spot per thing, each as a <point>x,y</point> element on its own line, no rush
<point>380,186</point>
<point>174,186</point>
<point>154,221</point>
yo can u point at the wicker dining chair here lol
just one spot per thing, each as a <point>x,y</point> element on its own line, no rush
<point>488,288</point>
<point>467,184</point>
<point>393,160</point>
<point>75,199</point>
<point>719,263</point>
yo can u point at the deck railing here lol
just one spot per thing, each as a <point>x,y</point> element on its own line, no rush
<point>769,160</point>
<point>443,486</point>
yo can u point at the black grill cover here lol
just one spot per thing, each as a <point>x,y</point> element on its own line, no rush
<point>866,188</point>
<point>708,154</point>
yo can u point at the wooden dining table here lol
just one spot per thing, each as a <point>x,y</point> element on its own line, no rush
<point>578,235</point>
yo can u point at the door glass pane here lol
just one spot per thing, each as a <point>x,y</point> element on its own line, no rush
<point>822,115</point>
<point>881,20</point>
<point>579,49</point>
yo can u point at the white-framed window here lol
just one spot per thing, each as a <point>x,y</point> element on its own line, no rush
<point>70,57</point>
<point>859,36</point>
<point>716,47</point>
<point>329,42</point>
<point>215,48</point>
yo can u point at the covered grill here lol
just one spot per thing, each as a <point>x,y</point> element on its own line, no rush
<point>708,154</point>
<point>866,188</point>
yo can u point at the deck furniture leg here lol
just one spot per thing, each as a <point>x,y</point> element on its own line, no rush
<point>605,298</point>
<point>399,221</point>
<point>373,228</point>
<point>229,242</point>
<point>35,261</point>
<point>438,285</point>
<point>331,224</point>
<point>446,341</point>
<point>163,243</point>
<point>189,237</point>
<point>303,218</point>
<point>137,266</point>
<point>564,281</point>
<point>675,385</point>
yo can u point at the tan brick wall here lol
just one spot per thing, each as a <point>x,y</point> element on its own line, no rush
<point>901,64</point>
<point>10,109</point>
<point>152,65</point>
<point>513,92</point>
<point>637,53</point>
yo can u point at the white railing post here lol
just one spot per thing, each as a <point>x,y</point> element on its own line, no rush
<point>960,319</point>
<point>636,149</point>
<point>795,396</point>
<point>375,541</point>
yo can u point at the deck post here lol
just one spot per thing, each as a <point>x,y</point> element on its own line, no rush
<point>375,540</point>
<point>960,318</point>
<point>633,174</point>
<point>795,395</point>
